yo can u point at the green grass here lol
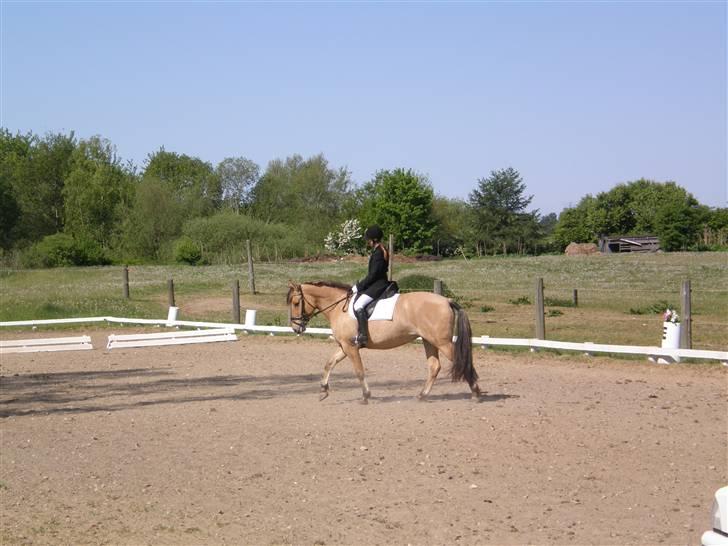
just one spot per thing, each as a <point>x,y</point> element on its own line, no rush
<point>618,294</point>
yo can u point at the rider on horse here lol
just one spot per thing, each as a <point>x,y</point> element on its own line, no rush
<point>373,285</point>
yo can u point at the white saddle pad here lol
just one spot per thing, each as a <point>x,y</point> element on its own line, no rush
<point>383,309</point>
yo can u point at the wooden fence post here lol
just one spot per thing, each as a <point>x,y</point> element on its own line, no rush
<point>251,273</point>
<point>576,298</point>
<point>540,322</point>
<point>438,287</point>
<point>686,332</point>
<point>391,256</point>
<point>236,301</point>
<point>126,281</point>
<point>170,293</point>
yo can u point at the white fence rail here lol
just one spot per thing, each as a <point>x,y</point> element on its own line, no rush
<point>653,353</point>
<point>588,348</point>
<point>79,343</point>
<point>170,338</point>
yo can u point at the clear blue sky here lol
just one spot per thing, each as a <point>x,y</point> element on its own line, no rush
<point>577,96</point>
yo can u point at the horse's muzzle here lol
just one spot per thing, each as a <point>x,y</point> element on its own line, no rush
<point>298,326</point>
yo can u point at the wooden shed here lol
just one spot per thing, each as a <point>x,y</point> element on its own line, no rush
<point>627,243</point>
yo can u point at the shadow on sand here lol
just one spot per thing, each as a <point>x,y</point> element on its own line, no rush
<point>117,390</point>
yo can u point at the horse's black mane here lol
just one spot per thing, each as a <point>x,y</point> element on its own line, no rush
<point>330,284</point>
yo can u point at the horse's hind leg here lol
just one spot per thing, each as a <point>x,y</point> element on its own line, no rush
<point>448,349</point>
<point>337,357</point>
<point>433,368</point>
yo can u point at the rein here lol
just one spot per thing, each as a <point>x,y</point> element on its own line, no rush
<point>303,319</point>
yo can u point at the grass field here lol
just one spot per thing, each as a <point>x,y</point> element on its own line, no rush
<point>619,295</point>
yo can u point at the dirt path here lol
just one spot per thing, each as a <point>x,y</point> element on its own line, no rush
<point>227,444</point>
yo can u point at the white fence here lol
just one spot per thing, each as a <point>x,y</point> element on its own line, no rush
<point>79,343</point>
<point>654,353</point>
<point>117,341</point>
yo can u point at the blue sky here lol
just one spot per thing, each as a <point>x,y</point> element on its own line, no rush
<point>578,96</point>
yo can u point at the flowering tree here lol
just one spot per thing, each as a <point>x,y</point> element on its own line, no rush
<point>347,240</point>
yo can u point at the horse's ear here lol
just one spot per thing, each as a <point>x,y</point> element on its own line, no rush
<point>292,284</point>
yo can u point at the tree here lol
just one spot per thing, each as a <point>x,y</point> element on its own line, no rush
<point>97,192</point>
<point>715,228</point>
<point>400,202</point>
<point>193,182</point>
<point>9,213</point>
<point>35,168</point>
<point>547,226</point>
<point>573,225</point>
<point>454,225</point>
<point>548,223</point>
<point>154,221</point>
<point>642,207</point>
<point>677,225</point>
<point>238,176</point>
<point>307,194</point>
<point>498,201</point>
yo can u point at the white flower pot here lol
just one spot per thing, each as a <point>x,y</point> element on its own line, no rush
<point>670,340</point>
<point>172,315</point>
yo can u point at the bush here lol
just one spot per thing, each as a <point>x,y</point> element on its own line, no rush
<point>347,240</point>
<point>61,250</point>
<point>187,251</point>
<point>557,302</point>
<point>222,237</point>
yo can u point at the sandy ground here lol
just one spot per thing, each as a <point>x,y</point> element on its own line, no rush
<point>227,443</point>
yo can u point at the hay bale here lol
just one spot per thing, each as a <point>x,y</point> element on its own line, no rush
<point>581,249</point>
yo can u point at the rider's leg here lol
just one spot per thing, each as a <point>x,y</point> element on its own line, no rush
<point>360,313</point>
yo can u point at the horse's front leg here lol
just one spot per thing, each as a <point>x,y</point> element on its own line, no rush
<point>355,356</point>
<point>337,357</point>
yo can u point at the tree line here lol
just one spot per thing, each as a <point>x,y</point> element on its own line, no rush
<point>71,201</point>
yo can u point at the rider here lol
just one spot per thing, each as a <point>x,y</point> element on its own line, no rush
<point>371,286</point>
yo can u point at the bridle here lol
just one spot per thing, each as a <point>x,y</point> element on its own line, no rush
<point>303,319</point>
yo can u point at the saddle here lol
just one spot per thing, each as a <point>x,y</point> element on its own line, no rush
<point>391,291</point>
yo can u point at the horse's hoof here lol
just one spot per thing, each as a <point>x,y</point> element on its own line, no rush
<point>364,401</point>
<point>324,392</point>
<point>422,397</point>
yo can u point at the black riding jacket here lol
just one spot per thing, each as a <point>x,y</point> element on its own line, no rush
<point>376,280</point>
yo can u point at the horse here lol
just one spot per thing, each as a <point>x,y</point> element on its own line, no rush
<point>417,314</point>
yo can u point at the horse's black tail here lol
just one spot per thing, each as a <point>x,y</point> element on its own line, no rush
<point>462,366</point>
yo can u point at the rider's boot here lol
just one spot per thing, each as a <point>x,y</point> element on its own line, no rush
<point>362,337</point>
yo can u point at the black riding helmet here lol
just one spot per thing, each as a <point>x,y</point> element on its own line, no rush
<point>374,233</point>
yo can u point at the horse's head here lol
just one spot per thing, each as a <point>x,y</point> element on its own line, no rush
<point>299,310</point>
<point>321,297</point>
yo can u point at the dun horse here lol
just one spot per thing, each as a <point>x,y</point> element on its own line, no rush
<point>417,314</point>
